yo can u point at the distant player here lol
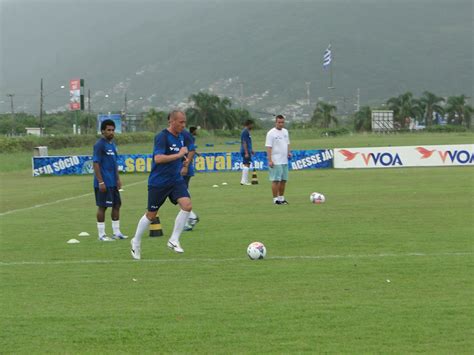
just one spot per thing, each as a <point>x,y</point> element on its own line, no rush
<point>165,181</point>
<point>107,181</point>
<point>277,143</point>
<point>246,151</point>
<point>188,170</point>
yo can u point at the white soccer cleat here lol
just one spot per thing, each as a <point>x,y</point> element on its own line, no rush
<point>104,238</point>
<point>245,184</point>
<point>119,236</point>
<point>135,250</point>
<point>175,246</point>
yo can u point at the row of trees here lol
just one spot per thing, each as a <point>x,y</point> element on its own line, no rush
<point>208,111</point>
<point>405,108</point>
<point>214,113</point>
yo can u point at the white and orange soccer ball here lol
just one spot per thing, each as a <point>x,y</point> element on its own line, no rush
<point>317,198</point>
<point>256,251</point>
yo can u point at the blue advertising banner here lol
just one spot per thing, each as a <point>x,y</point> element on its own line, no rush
<point>205,162</point>
<point>116,117</point>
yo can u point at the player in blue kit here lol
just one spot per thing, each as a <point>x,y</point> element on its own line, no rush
<point>165,181</point>
<point>188,170</point>
<point>246,151</point>
<point>107,181</point>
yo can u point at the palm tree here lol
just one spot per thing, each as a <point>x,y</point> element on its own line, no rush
<point>405,107</point>
<point>431,103</point>
<point>210,111</point>
<point>154,120</point>
<point>323,114</point>
<point>459,111</point>
<point>363,119</point>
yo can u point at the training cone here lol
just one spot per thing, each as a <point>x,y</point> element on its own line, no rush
<point>155,228</point>
<point>254,177</point>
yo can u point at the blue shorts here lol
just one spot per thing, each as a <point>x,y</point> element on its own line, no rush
<point>157,195</point>
<point>109,198</point>
<point>246,161</point>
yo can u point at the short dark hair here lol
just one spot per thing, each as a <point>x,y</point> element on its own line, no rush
<point>192,129</point>
<point>248,122</point>
<point>279,117</point>
<point>106,123</point>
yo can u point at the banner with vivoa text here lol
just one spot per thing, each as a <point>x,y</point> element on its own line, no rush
<point>409,156</point>
<point>205,162</point>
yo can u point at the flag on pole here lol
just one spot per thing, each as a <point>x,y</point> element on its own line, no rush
<point>327,58</point>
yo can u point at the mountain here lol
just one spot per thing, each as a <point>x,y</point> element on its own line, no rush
<point>163,51</point>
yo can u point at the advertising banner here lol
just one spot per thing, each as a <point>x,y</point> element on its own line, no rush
<point>409,156</point>
<point>205,162</point>
<point>75,94</point>
<point>116,117</point>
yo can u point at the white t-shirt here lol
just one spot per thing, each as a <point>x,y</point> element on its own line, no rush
<point>278,140</point>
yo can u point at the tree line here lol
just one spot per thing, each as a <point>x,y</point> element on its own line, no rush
<point>212,112</point>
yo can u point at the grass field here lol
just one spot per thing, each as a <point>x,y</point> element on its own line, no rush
<point>385,265</point>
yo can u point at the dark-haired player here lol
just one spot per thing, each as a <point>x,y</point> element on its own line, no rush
<point>107,181</point>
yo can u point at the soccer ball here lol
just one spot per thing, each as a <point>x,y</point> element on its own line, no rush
<point>317,198</point>
<point>256,250</point>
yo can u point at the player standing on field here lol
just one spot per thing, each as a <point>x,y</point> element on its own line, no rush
<point>107,181</point>
<point>246,151</point>
<point>278,153</point>
<point>188,170</point>
<point>166,181</point>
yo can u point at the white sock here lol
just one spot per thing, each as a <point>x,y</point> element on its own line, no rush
<point>275,199</point>
<point>101,228</point>
<point>245,175</point>
<point>142,227</point>
<point>192,215</point>
<point>179,224</point>
<point>116,227</point>
<point>281,198</point>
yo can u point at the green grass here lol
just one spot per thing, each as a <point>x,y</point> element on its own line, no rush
<point>411,226</point>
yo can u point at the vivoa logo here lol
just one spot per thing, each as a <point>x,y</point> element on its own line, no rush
<point>373,158</point>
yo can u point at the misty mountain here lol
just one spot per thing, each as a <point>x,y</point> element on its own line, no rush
<point>164,51</point>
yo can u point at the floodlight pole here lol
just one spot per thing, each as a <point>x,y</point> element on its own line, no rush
<point>11,104</point>
<point>41,108</point>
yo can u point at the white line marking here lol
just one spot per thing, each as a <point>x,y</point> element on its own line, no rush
<point>57,201</point>
<point>210,260</point>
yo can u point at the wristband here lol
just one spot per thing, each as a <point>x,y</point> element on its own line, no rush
<point>101,183</point>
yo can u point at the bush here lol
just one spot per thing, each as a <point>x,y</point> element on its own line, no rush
<point>27,143</point>
<point>332,132</point>
<point>446,129</point>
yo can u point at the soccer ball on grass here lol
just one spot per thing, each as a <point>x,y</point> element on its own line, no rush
<point>256,251</point>
<point>317,198</point>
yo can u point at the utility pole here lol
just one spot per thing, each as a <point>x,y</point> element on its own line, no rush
<point>41,107</point>
<point>88,109</point>
<point>241,96</point>
<point>11,103</point>
<point>89,101</point>
<point>308,84</point>
<point>358,100</point>
<point>124,117</point>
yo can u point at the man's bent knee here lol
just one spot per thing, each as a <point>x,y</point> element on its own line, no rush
<point>151,215</point>
<point>185,204</point>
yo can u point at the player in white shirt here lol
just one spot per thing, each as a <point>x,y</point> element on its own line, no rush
<point>278,153</point>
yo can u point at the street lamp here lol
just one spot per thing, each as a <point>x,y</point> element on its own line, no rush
<point>42,96</point>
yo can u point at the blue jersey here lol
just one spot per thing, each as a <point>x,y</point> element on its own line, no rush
<point>189,141</point>
<point>168,173</point>
<point>247,138</point>
<point>105,154</point>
